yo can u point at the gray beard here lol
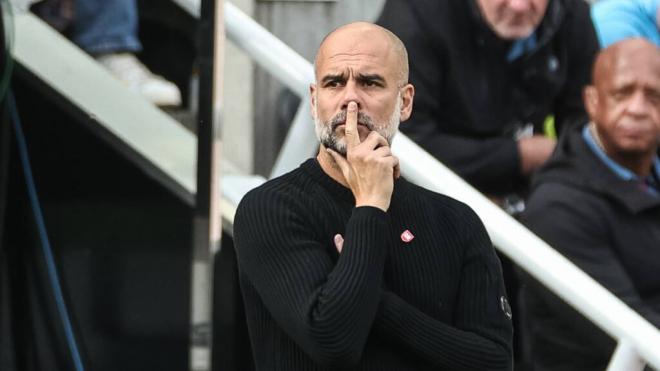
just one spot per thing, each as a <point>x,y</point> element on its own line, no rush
<point>325,131</point>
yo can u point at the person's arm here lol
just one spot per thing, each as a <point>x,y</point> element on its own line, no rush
<point>492,165</point>
<point>580,232</point>
<point>480,338</point>
<point>326,307</point>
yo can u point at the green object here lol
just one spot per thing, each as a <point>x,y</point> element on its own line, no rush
<point>549,127</point>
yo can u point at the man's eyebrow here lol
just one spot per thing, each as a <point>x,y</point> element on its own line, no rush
<point>371,77</point>
<point>333,77</point>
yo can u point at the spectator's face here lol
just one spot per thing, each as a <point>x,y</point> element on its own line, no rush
<point>624,102</point>
<point>358,65</point>
<point>512,19</point>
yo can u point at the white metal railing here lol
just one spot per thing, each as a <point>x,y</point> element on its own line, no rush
<point>639,341</point>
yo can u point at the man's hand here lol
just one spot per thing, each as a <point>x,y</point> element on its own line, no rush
<point>534,152</point>
<point>369,167</point>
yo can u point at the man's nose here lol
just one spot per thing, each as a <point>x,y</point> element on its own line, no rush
<point>519,6</point>
<point>351,94</point>
<point>638,104</point>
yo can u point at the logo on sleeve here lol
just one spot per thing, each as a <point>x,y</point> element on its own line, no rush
<point>407,236</point>
<point>506,308</point>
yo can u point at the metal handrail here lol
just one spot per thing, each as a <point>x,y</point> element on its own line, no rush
<point>638,339</point>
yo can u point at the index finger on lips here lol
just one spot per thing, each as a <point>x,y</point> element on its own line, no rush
<point>350,130</point>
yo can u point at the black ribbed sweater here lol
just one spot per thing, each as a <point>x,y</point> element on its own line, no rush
<point>433,303</point>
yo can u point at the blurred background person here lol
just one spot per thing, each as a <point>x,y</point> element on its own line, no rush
<point>108,31</point>
<point>597,201</point>
<point>489,74</point>
<point>616,20</point>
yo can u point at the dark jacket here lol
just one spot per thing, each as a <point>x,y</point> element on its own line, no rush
<point>470,101</point>
<point>608,227</point>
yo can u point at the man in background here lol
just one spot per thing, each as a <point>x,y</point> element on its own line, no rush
<point>489,75</point>
<point>597,201</point>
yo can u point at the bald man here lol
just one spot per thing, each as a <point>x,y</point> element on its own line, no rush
<point>597,201</point>
<point>346,266</point>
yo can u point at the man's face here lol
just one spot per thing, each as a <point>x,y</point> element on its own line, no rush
<point>352,66</point>
<point>625,103</point>
<point>513,19</point>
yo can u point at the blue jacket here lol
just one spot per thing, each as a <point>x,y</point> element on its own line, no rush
<point>616,20</point>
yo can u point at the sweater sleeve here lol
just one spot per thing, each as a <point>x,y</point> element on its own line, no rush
<point>480,337</point>
<point>326,307</point>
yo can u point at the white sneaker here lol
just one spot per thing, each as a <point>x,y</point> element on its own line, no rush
<point>137,77</point>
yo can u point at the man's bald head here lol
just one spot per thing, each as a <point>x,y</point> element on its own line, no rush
<point>348,35</point>
<point>624,52</point>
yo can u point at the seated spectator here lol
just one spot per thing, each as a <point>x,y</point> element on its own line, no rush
<point>616,20</point>
<point>107,30</point>
<point>488,74</point>
<point>597,201</point>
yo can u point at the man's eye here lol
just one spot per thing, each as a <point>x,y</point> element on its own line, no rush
<point>333,84</point>
<point>654,97</point>
<point>370,83</point>
<point>619,95</point>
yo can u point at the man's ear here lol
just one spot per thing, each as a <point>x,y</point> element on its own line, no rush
<point>407,96</point>
<point>590,98</point>
<point>312,98</point>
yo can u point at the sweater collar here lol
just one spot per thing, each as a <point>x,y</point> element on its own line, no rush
<point>314,169</point>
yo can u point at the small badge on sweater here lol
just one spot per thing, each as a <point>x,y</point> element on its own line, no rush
<point>407,236</point>
<point>506,308</point>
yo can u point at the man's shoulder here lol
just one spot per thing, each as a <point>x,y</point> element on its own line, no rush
<point>567,198</point>
<point>577,7</point>
<point>576,15</point>
<point>276,191</point>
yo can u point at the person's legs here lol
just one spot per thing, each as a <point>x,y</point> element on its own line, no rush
<point>106,26</point>
<point>107,29</point>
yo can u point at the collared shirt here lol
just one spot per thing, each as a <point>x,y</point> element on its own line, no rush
<point>521,47</point>
<point>651,181</point>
